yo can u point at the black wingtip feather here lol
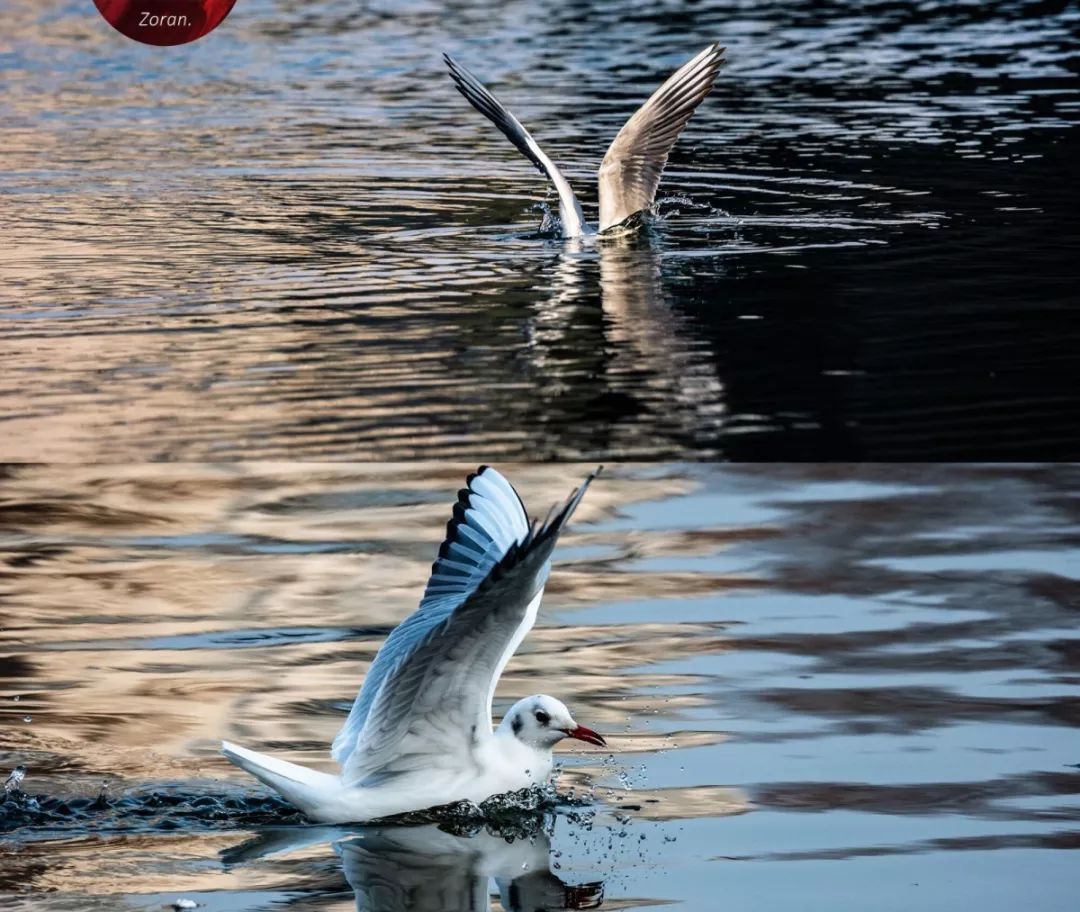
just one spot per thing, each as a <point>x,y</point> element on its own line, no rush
<point>541,536</point>
<point>463,503</point>
<point>457,517</point>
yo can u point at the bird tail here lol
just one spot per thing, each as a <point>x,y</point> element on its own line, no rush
<point>305,788</point>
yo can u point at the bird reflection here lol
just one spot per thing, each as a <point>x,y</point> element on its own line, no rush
<point>639,354</point>
<point>647,334</point>
<point>427,869</point>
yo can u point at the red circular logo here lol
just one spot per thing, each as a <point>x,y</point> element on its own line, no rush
<point>164,22</point>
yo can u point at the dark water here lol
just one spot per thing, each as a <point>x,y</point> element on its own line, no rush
<point>824,687</point>
<point>294,239</point>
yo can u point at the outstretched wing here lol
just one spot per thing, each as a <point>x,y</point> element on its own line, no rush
<point>434,702</point>
<point>573,220</point>
<point>488,520</point>
<point>630,172</point>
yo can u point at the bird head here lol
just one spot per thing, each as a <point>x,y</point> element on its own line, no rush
<point>542,721</point>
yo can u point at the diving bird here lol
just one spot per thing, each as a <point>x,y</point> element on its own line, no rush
<point>630,172</point>
<point>420,732</point>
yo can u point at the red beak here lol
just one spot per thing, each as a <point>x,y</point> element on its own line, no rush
<point>581,733</point>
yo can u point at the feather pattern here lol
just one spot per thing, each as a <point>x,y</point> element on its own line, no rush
<point>631,170</point>
<point>573,219</point>
<point>487,520</point>
<point>430,700</point>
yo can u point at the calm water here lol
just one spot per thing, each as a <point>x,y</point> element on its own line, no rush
<point>294,238</point>
<point>825,688</point>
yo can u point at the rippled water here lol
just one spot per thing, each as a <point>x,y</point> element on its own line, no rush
<point>294,238</point>
<point>824,687</point>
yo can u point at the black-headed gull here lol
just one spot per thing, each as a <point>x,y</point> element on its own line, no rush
<point>420,732</point>
<point>630,172</point>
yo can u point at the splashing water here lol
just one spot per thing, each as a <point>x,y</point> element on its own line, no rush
<point>173,806</point>
<point>14,780</point>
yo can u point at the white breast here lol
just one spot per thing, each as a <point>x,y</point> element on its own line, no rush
<point>509,765</point>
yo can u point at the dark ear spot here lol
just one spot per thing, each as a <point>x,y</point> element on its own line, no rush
<point>516,724</point>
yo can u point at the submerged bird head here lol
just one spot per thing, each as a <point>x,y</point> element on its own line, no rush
<point>542,721</point>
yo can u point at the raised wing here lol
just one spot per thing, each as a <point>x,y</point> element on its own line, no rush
<point>573,220</point>
<point>434,704</point>
<point>630,172</point>
<point>488,519</point>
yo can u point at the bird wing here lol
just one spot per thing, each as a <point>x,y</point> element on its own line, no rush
<point>430,699</point>
<point>630,172</point>
<point>488,519</point>
<point>573,219</point>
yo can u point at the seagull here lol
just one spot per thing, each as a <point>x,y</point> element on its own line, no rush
<point>420,732</point>
<point>630,172</point>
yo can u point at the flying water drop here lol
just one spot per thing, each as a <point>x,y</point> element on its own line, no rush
<point>14,780</point>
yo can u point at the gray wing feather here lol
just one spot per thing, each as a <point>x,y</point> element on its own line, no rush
<point>630,173</point>
<point>435,702</point>
<point>488,519</point>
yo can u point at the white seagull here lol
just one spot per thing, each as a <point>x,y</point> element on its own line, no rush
<point>420,732</point>
<point>630,172</point>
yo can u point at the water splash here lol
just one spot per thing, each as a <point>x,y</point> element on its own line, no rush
<point>14,780</point>
<point>165,807</point>
<point>174,806</point>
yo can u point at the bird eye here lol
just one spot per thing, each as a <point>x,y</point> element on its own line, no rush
<point>542,717</point>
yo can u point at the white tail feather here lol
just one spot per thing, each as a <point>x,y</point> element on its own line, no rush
<point>306,788</point>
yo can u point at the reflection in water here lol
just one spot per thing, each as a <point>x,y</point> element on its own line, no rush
<point>648,337</point>
<point>429,869</point>
<point>324,258</point>
<point>639,353</point>
<point>426,869</point>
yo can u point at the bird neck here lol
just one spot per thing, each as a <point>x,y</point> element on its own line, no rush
<point>535,761</point>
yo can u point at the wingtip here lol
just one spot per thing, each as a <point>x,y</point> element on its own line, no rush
<point>575,498</point>
<point>452,66</point>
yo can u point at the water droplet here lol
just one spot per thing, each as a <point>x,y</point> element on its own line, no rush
<point>16,698</point>
<point>14,781</point>
<point>28,718</point>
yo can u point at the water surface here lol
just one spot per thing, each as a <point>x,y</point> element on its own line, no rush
<point>293,238</point>
<point>824,687</point>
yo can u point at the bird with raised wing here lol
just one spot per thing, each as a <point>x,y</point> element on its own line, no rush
<point>420,732</point>
<point>630,173</point>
